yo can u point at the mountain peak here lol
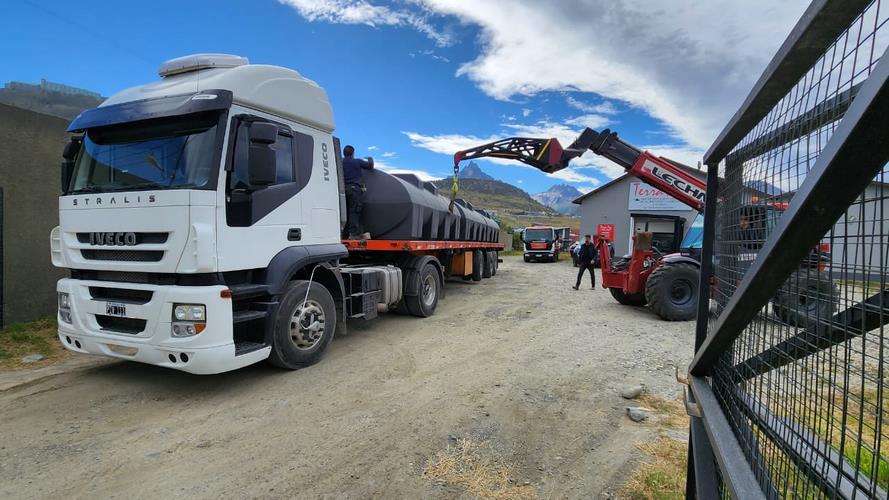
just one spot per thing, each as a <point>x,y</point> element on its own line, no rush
<point>560,197</point>
<point>473,171</point>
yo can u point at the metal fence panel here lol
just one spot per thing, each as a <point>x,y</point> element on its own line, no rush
<point>794,348</point>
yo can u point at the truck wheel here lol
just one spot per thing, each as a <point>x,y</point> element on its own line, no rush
<point>478,265</point>
<point>627,299</point>
<point>807,300</point>
<point>494,262</point>
<point>672,291</point>
<point>304,325</point>
<point>527,259</point>
<point>423,304</point>
<point>488,269</point>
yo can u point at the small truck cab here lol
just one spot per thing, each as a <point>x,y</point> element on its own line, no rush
<point>540,243</point>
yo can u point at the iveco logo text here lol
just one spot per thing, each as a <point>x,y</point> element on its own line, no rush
<point>678,183</point>
<point>113,239</point>
<point>114,200</point>
<point>325,162</point>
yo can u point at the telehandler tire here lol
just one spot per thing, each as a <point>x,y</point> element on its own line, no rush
<point>627,299</point>
<point>808,299</point>
<point>672,291</point>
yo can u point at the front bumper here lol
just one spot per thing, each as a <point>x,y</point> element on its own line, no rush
<point>212,351</point>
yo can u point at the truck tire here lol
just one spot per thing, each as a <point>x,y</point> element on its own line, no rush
<point>478,265</point>
<point>672,291</point>
<point>527,259</point>
<point>304,325</point>
<point>807,299</point>
<point>428,288</point>
<point>495,260</point>
<point>628,299</point>
<point>488,269</point>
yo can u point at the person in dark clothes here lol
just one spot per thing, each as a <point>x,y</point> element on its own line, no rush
<point>354,191</point>
<point>586,256</point>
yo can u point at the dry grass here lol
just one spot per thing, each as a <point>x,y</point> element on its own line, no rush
<point>478,469</point>
<point>670,412</point>
<point>662,475</point>
<point>35,337</point>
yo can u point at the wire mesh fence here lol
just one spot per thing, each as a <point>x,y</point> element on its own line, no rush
<point>801,381</point>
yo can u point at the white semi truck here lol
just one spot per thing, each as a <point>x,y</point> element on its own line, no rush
<point>201,216</point>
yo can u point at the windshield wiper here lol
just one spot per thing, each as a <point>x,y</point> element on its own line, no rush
<point>87,189</point>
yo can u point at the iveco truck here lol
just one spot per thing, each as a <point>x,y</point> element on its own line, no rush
<point>201,216</point>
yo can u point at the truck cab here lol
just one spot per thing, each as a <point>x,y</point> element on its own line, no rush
<point>540,243</point>
<point>187,201</point>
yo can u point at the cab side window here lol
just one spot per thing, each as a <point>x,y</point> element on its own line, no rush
<point>283,146</point>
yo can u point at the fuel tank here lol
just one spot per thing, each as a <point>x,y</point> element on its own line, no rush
<point>402,207</point>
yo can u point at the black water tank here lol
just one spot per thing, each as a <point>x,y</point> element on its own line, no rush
<point>402,207</point>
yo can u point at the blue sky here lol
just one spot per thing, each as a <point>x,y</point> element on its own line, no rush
<point>412,81</point>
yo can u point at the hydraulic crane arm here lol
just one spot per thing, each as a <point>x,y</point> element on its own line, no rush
<point>549,156</point>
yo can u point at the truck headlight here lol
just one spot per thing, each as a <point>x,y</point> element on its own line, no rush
<point>65,307</point>
<point>188,319</point>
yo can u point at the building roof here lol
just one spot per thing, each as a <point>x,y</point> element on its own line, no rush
<point>693,171</point>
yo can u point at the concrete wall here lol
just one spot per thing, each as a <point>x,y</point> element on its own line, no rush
<point>30,151</point>
<point>609,206</point>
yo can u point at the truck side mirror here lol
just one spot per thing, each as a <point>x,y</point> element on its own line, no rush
<point>261,163</point>
<point>69,154</point>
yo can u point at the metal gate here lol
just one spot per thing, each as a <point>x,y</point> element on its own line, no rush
<point>788,382</point>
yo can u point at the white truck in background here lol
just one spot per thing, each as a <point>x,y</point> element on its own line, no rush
<point>201,218</point>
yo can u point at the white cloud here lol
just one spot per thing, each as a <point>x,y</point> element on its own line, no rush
<point>389,154</point>
<point>585,189</point>
<point>571,174</point>
<point>391,169</point>
<point>371,148</point>
<point>526,112</point>
<point>520,181</point>
<point>364,12</point>
<point>605,107</point>
<point>678,65</point>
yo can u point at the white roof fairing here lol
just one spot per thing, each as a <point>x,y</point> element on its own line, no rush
<point>273,89</point>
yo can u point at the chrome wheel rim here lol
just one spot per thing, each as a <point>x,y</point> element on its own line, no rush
<point>429,290</point>
<point>307,325</point>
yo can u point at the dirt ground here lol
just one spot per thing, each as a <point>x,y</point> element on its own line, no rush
<point>520,365</point>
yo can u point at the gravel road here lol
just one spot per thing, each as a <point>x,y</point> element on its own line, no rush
<point>520,362</point>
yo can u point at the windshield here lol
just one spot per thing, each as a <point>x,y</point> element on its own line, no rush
<point>158,154</point>
<point>694,237</point>
<point>538,234</point>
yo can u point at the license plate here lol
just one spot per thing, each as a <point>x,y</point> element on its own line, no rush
<point>115,309</point>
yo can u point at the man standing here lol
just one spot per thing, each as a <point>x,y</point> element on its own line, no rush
<point>585,257</point>
<point>354,191</point>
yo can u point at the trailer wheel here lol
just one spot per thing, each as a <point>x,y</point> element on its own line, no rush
<point>423,304</point>
<point>628,299</point>
<point>807,300</point>
<point>672,291</point>
<point>478,265</point>
<point>488,269</point>
<point>304,325</point>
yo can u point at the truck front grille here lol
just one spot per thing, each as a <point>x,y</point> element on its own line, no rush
<point>141,238</point>
<point>131,326</point>
<point>123,255</point>
<point>129,296</point>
